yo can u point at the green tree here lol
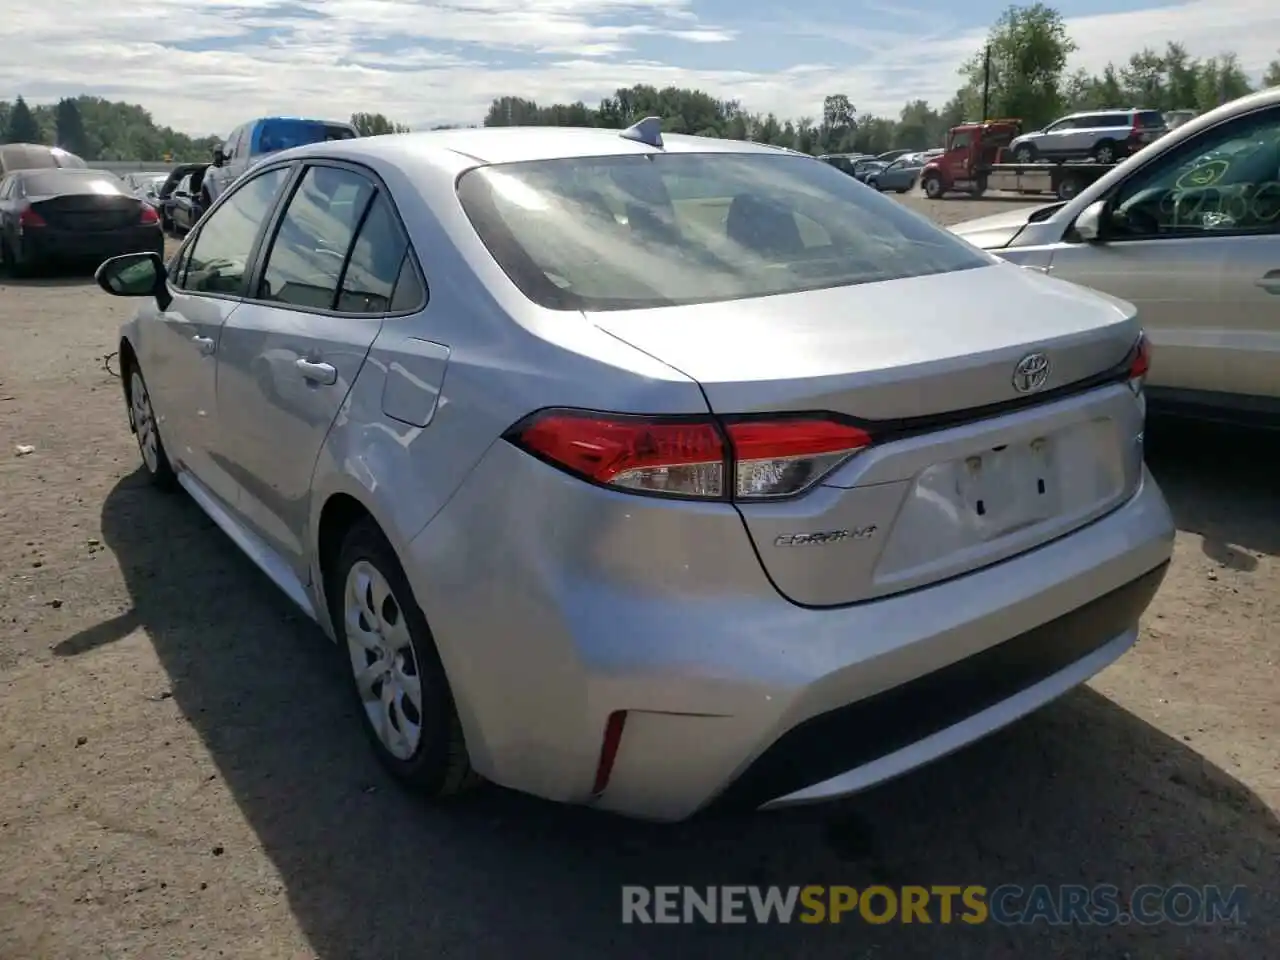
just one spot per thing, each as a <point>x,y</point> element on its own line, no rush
<point>1029,49</point>
<point>375,124</point>
<point>22,126</point>
<point>1272,77</point>
<point>69,128</point>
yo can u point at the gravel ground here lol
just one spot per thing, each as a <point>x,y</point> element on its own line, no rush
<point>181,775</point>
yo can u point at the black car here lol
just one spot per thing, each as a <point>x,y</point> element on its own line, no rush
<point>165,200</point>
<point>185,206</point>
<point>58,215</point>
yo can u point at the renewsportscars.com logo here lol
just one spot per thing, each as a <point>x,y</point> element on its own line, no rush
<point>1007,905</point>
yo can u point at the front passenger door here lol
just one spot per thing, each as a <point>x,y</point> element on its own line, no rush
<point>290,356</point>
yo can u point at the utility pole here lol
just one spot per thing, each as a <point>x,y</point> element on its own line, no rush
<point>986,83</point>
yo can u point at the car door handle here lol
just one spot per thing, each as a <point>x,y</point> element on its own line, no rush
<point>203,344</point>
<point>317,372</point>
<point>1270,282</point>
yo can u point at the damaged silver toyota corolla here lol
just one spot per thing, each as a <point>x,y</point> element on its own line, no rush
<point>653,473</point>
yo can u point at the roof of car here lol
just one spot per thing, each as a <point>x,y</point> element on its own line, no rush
<point>515,144</point>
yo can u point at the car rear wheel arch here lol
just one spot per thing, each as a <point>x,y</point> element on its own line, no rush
<point>349,536</point>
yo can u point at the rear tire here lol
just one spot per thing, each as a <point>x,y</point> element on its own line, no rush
<point>933,187</point>
<point>387,646</point>
<point>142,421</point>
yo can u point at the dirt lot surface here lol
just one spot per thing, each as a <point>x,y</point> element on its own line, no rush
<point>181,775</point>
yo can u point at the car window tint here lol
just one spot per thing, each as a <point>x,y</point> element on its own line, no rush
<point>1227,179</point>
<point>615,233</point>
<point>409,293</point>
<point>375,262</point>
<point>220,254</point>
<point>305,262</point>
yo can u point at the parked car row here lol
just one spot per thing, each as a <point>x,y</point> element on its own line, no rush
<point>896,170</point>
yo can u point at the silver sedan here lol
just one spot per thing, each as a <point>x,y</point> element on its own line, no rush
<point>649,473</point>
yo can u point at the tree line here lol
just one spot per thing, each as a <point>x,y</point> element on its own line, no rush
<point>98,129</point>
<point>1028,50</point>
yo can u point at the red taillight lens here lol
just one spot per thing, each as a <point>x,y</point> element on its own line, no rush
<point>691,457</point>
<point>1139,363</point>
<point>149,214</point>
<point>676,457</point>
<point>29,218</point>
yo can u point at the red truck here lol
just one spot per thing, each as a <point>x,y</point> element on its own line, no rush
<point>970,165</point>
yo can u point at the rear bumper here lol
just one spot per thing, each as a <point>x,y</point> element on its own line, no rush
<point>46,243</point>
<point>555,604</point>
<point>830,755</point>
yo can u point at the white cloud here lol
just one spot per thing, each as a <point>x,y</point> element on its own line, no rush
<point>425,61</point>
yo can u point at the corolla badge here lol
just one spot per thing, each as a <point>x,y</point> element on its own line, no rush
<point>825,537</point>
<point>1031,373</point>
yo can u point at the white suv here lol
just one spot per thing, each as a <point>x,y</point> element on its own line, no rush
<point>1103,136</point>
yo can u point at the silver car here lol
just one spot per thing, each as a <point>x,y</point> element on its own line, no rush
<point>1188,231</point>
<point>654,474</point>
<point>1103,136</point>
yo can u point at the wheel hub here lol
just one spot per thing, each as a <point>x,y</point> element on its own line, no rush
<point>383,662</point>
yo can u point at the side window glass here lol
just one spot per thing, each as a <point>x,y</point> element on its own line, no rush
<point>1227,180</point>
<point>220,255</point>
<point>178,266</point>
<point>311,244</point>
<point>961,140</point>
<point>409,293</point>
<point>375,263</point>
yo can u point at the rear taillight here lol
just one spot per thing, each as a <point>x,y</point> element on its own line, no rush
<point>691,457</point>
<point>149,214</point>
<point>1139,363</point>
<point>29,218</point>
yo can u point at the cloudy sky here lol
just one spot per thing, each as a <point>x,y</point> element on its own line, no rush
<point>206,65</point>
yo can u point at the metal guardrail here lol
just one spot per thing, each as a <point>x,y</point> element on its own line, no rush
<point>131,166</point>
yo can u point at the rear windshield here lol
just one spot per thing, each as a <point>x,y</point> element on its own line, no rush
<point>1147,119</point>
<point>617,233</point>
<point>273,135</point>
<point>50,182</point>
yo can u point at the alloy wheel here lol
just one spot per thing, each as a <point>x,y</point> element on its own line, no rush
<point>144,422</point>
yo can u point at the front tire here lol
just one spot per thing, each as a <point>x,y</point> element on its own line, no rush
<point>933,187</point>
<point>1105,152</point>
<point>142,421</point>
<point>406,706</point>
<point>1025,153</point>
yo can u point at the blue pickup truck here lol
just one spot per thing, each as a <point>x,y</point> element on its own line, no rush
<point>250,142</point>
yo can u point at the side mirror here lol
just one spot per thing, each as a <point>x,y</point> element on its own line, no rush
<point>219,158</point>
<point>135,275</point>
<point>1088,226</point>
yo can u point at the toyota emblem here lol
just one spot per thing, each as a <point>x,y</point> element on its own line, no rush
<point>1031,373</point>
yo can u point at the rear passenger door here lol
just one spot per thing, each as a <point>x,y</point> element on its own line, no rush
<point>290,355</point>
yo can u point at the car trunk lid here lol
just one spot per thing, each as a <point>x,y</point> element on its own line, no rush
<point>975,459</point>
<point>88,213</point>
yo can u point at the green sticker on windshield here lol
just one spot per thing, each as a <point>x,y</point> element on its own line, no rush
<point>1205,175</point>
